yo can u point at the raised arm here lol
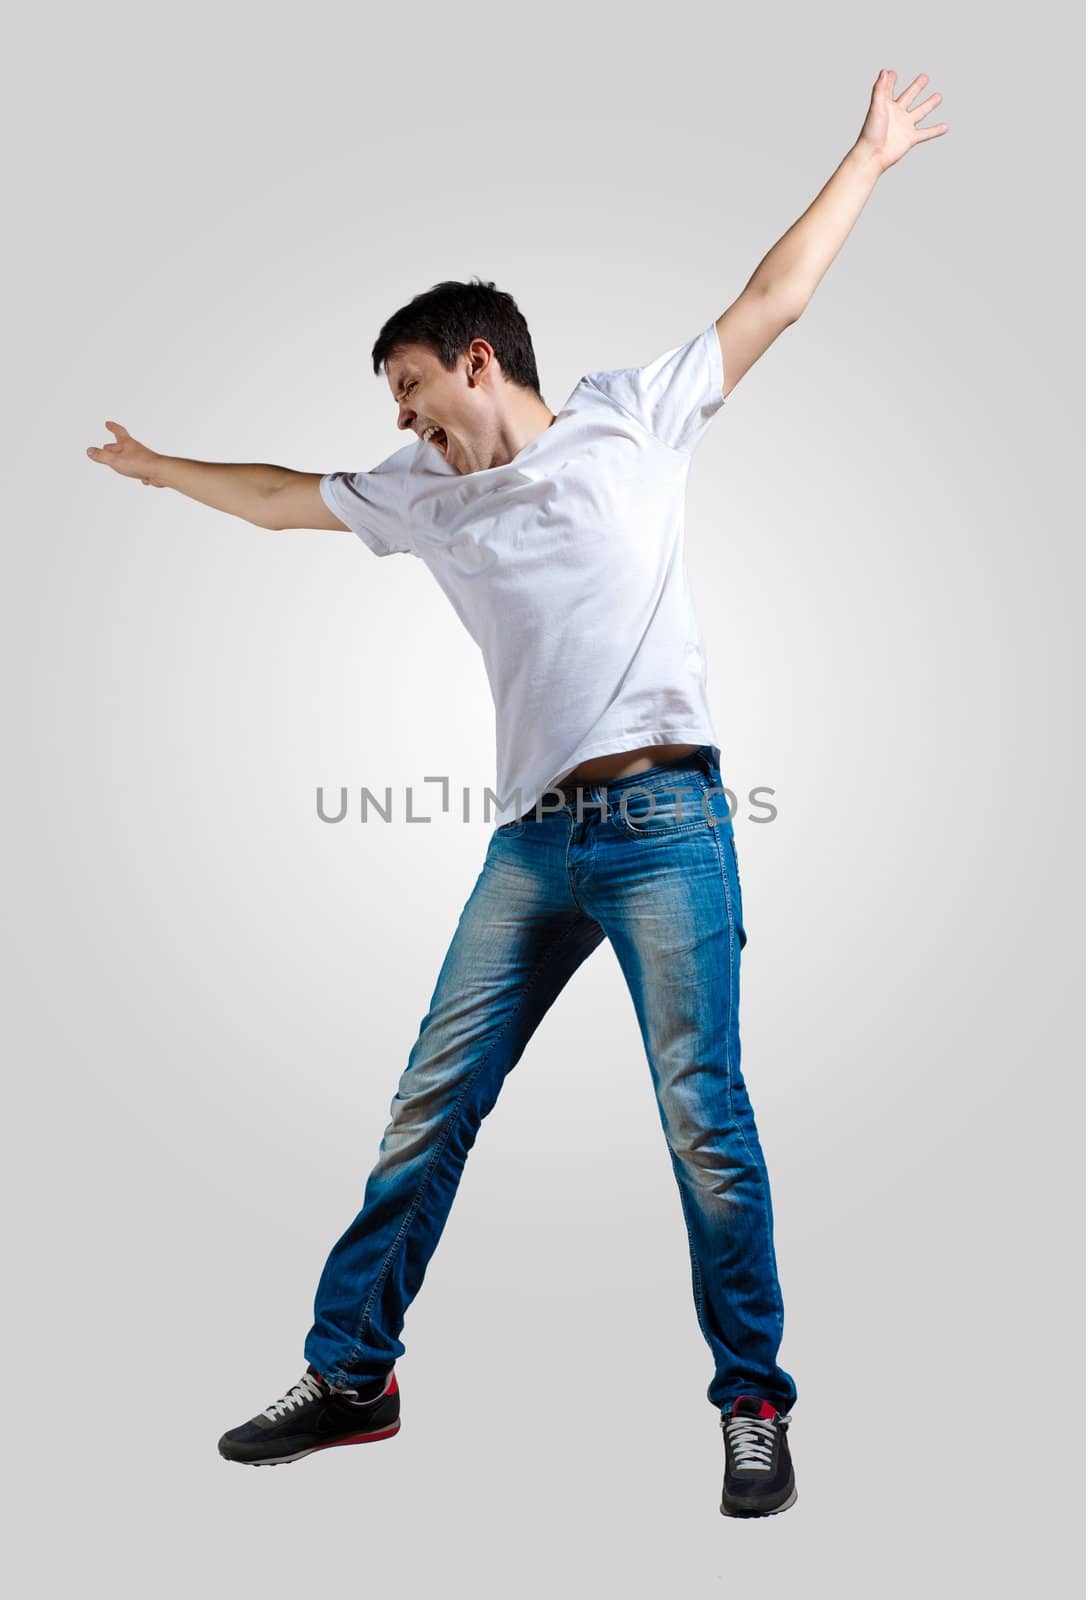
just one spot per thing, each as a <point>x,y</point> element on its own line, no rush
<point>268,497</point>
<point>784,281</point>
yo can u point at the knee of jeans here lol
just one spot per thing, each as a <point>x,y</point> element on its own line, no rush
<point>410,1131</point>
<point>713,1165</point>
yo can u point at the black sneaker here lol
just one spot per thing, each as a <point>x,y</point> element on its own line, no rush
<point>758,1476</point>
<point>313,1416</point>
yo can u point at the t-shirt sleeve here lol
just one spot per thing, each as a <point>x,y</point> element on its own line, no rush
<point>372,504</point>
<point>676,396</point>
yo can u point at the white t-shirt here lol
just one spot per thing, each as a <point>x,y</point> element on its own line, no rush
<point>566,566</point>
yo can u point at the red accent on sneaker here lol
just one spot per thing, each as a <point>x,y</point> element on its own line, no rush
<point>765,1410</point>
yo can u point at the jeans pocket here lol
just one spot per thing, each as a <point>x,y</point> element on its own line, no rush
<point>663,808</point>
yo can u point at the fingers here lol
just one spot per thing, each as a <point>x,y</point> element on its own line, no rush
<point>886,80</point>
<point>925,106</point>
<point>914,89</point>
<point>106,451</point>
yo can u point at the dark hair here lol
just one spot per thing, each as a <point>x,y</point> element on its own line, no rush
<point>449,316</point>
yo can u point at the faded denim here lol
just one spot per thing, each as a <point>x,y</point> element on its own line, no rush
<point>649,863</point>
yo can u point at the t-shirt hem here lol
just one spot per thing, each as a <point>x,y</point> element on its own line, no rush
<point>687,734</point>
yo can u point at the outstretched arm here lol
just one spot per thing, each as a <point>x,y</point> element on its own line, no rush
<point>784,281</point>
<point>268,497</point>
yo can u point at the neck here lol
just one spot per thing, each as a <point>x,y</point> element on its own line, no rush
<point>523,419</point>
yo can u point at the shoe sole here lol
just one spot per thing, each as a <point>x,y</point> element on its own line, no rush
<point>277,1461</point>
<point>748,1511</point>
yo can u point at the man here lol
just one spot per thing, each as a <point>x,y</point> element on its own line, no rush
<point>558,538</point>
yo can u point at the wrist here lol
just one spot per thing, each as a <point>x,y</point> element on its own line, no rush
<point>158,470</point>
<point>865,160</point>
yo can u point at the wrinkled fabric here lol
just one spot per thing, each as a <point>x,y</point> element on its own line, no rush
<point>648,863</point>
<point>567,567</point>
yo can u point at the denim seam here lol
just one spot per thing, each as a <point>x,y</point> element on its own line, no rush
<point>450,1123</point>
<point>755,1167</point>
<point>569,870</point>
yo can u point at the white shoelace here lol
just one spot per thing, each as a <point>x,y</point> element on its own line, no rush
<point>307,1388</point>
<point>752,1440</point>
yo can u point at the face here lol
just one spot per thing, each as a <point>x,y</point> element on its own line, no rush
<point>430,398</point>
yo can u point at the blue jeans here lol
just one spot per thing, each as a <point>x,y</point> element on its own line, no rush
<point>649,863</point>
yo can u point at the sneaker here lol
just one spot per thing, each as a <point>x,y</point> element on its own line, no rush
<point>758,1476</point>
<point>313,1416</point>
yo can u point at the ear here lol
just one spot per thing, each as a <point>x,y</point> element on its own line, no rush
<point>481,361</point>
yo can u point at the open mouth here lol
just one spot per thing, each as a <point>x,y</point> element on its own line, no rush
<point>436,436</point>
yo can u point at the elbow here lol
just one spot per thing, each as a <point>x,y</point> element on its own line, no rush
<point>788,304</point>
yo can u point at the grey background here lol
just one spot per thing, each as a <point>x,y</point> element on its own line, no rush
<point>213,994</point>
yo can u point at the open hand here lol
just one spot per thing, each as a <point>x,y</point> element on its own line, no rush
<point>890,127</point>
<point>126,456</point>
